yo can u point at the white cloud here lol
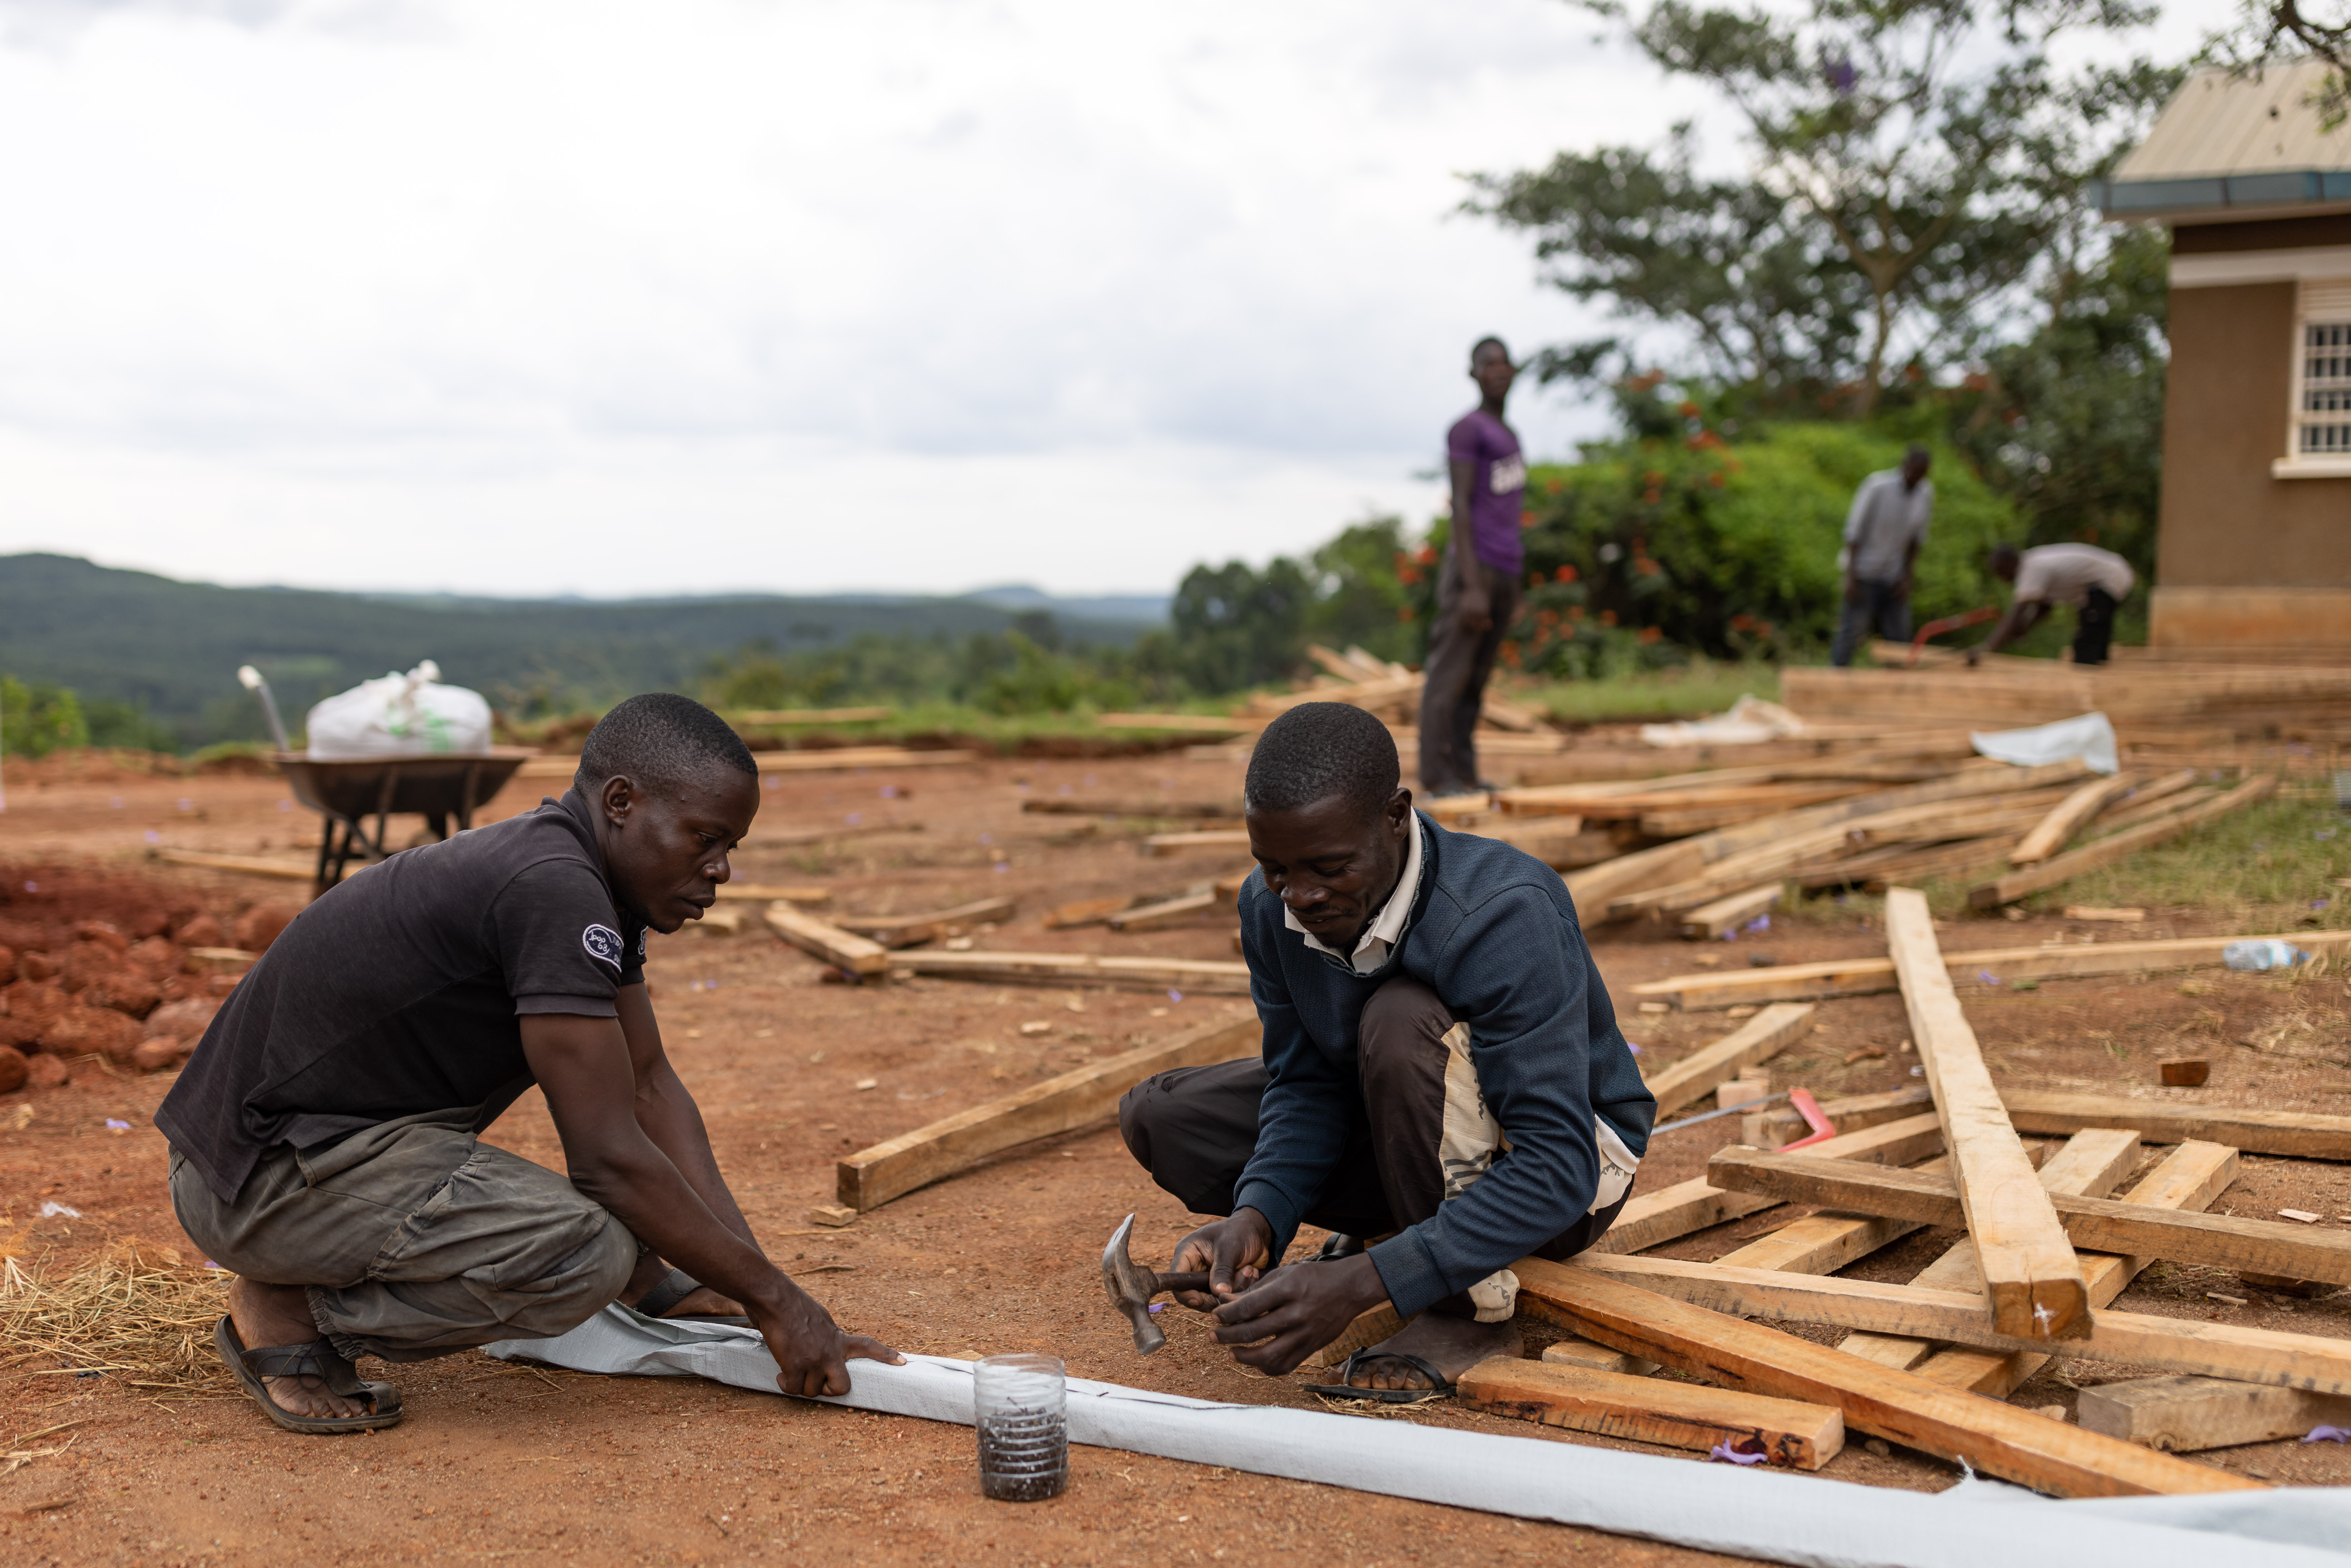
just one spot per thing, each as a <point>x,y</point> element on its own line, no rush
<point>519,296</point>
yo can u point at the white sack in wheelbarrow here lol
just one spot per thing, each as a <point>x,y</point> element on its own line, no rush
<point>400,716</point>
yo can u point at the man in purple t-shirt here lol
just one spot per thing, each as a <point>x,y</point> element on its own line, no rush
<point>1477,594</point>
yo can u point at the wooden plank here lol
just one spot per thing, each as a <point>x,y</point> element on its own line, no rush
<point>1181,910</point>
<point>2030,1275</point>
<point>1759,1039</point>
<point>774,893</point>
<point>2091,1164</point>
<point>1824,1242</point>
<point>1220,976</point>
<point>1653,1218</point>
<point>873,1176</point>
<point>1869,975</point>
<point>2300,1133</point>
<point>248,865</point>
<point>2226,1241</point>
<point>1126,806</point>
<point>819,940</point>
<point>822,761</point>
<point>2118,846</point>
<point>1576,1351</point>
<point>1996,1439</point>
<point>906,930</point>
<point>1193,723</point>
<point>1210,839</point>
<point>1711,922</point>
<point>1789,1434</point>
<point>2149,803</point>
<point>2182,1414</point>
<point>813,716</point>
<point>2191,1177</point>
<point>2067,816</point>
<point>2137,1339</point>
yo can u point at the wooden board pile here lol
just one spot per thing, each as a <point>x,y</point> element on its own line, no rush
<point>2151,704</point>
<point>1907,812</point>
<point>2046,1250</point>
<point>1389,690</point>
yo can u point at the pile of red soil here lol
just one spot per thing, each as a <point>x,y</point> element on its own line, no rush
<point>103,963</point>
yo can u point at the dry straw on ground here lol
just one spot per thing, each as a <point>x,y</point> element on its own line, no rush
<point>132,1314</point>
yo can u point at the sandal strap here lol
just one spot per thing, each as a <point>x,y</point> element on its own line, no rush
<point>672,1289</point>
<point>318,1359</point>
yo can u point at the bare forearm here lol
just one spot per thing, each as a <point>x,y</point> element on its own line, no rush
<point>647,1193</point>
<point>674,1123</point>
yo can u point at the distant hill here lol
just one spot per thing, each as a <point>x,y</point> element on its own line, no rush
<point>173,647</point>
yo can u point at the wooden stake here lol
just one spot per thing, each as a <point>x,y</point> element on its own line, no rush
<point>873,1176</point>
<point>1994,1439</point>
<point>2027,1264</point>
<point>2180,1414</point>
<point>1228,977</point>
<point>841,949</point>
<point>908,930</point>
<point>1790,1435</point>
<point>2304,1134</point>
<point>1711,922</point>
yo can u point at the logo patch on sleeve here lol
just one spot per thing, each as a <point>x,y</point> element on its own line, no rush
<point>604,944</point>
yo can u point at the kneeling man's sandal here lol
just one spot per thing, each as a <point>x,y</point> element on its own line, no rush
<point>1342,1389</point>
<point>318,1359</point>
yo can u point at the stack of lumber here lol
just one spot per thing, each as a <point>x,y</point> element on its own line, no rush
<point>2146,700</point>
<point>1378,686</point>
<point>1909,811</point>
<point>2050,1239</point>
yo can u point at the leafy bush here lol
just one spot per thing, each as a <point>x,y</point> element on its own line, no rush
<point>39,719</point>
<point>1682,541</point>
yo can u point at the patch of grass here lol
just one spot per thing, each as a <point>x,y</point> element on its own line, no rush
<point>125,1314</point>
<point>1699,688</point>
<point>2272,867</point>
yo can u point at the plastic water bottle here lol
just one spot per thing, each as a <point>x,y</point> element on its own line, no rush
<point>1024,1437</point>
<point>2269,953</point>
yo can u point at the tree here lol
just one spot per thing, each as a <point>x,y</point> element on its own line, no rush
<point>2069,422</point>
<point>1913,160</point>
<point>1768,303</point>
<point>2271,32</point>
<point>1235,627</point>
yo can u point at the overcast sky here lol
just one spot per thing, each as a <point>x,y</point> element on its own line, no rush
<point>528,296</point>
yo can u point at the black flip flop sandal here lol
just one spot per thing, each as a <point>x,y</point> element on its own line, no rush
<point>673,1287</point>
<point>1342,1389</point>
<point>318,1359</point>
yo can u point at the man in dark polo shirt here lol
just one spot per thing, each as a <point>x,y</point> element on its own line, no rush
<point>324,1135</point>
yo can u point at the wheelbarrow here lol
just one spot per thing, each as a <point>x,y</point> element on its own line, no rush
<point>441,787</point>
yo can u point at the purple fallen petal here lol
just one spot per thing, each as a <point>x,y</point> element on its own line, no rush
<point>1158,1306</point>
<point>2328,1435</point>
<point>1725,1452</point>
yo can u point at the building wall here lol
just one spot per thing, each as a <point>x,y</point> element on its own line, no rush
<point>2226,523</point>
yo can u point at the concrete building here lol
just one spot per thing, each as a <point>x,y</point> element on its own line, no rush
<point>2254,550</point>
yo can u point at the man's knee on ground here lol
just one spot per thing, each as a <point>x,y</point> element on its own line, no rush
<point>578,1286</point>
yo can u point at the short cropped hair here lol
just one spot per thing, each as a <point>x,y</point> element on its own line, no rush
<point>1482,344</point>
<point>660,738</point>
<point>1320,750</point>
<point>2004,554</point>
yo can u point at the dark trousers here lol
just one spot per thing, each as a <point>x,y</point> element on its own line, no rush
<point>2093,627</point>
<point>1874,604</point>
<point>1194,1129</point>
<point>1453,683</point>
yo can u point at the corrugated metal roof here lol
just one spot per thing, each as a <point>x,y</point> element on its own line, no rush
<point>2219,125</point>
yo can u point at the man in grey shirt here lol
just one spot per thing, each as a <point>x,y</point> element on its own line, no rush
<point>1883,534</point>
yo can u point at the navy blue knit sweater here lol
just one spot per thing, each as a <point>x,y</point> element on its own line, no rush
<point>1494,935</point>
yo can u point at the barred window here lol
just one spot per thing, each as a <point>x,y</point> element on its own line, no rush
<point>2322,422</point>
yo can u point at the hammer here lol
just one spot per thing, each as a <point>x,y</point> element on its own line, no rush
<point>1132,1286</point>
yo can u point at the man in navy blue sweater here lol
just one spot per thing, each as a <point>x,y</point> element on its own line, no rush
<point>1442,1075</point>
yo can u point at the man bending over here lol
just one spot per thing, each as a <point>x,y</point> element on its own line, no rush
<point>1441,1069</point>
<point>324,1135</point>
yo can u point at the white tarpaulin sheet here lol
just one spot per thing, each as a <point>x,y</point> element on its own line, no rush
<point>2090,737</point>
<point>1774,1515</point>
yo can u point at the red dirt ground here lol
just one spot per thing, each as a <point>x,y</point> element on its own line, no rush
<point>504,1461</point>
